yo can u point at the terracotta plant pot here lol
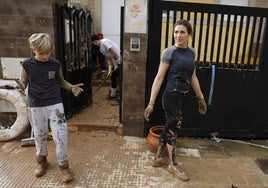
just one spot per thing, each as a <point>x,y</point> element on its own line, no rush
<point>153,137</point>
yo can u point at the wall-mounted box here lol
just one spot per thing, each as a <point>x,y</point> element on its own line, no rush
<point>135,44</point>
<point>11,67</point>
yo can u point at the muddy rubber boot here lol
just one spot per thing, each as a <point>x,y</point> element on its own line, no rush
<point>67,174</point>
<point>41,168</point>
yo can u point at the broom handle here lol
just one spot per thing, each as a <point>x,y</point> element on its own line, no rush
<point>32,132</point>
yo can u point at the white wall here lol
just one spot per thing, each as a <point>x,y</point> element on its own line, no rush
<point>111,19</point>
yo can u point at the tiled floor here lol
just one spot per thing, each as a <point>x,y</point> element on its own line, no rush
<point>100,158</point>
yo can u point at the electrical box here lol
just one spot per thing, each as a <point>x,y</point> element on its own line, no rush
<point>11,67</point>
<point>134,44</point>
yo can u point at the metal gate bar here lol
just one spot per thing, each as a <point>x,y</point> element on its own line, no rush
<point>73,50</point>
<point>235,42</point>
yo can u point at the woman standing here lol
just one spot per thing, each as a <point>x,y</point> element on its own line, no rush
<point>178,62</point>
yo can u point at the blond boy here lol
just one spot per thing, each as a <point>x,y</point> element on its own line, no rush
<point>43,76</point>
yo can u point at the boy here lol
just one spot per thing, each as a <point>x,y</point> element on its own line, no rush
<point>43,76</point>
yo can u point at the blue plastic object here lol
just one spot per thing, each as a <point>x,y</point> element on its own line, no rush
<point>211,85</point>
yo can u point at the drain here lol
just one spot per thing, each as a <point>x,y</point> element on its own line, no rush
<point>262,164</point>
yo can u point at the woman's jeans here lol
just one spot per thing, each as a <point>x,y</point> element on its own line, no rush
<point>172,103</point>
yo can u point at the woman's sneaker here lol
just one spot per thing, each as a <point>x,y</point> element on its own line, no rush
<point>160,162</point>
<point>178,172</point>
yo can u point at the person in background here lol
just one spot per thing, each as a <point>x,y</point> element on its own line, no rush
<point>111,51</point>
<point>178,63</point>
<point>43,76</point>
<point>98,58</point>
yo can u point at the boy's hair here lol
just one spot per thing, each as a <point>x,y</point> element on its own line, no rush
<point>40,42</point>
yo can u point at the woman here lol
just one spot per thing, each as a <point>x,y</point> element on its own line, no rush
<point>178,63</point>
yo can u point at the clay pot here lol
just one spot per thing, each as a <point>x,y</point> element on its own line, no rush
<point>153,137</point>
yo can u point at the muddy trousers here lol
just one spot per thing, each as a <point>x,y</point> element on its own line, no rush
<point>173,103</point>
<point>43,117</point>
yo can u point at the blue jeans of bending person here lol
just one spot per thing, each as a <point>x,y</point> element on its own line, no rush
<point>172,103</point>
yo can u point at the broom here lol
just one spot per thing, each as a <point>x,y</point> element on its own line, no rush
<point>28,141</point>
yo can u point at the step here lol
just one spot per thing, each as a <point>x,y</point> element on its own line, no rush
<point>89,128</point>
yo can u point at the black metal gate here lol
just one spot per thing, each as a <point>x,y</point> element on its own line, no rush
<point>73,34</point>
<point>232,41</point>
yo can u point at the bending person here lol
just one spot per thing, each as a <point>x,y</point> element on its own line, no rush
<point>111,51</point>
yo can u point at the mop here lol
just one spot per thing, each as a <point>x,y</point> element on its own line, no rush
<point>28,141</point>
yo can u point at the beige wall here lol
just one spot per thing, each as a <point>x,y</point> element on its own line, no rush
<point>259,3</point>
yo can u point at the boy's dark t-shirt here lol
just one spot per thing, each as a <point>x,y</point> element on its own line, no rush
<point>43,88</point>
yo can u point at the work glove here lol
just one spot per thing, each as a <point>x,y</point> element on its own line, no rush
<point>115,65</point>
<point>202,105</point>
<point>110,70</point>
<point>76,89</point>
<point>149,109</point>
<point>20,87</point>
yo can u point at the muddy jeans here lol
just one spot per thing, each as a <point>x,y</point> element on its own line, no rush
<point>172,104</point>
<point>43,117</point>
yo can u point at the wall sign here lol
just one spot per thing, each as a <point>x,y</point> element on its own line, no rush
<point>135,16</point>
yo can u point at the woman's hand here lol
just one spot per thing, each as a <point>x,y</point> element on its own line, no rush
<point>149,109</point>
<point>202,105</point>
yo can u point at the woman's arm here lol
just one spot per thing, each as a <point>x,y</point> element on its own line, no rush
<point>195,85</point>
<point>158,80</point>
